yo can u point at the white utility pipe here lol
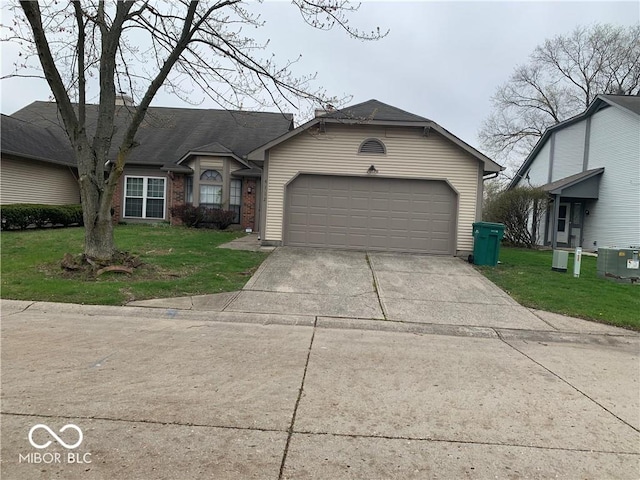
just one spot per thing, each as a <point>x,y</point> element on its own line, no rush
<point>577,258</point>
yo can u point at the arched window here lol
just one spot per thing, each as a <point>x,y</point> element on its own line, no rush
<point>372,146</point>
<point>211,176</point>
<point>211,189</point>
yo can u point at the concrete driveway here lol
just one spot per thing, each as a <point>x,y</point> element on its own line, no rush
<point>327,365</point>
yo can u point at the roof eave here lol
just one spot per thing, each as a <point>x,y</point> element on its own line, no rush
<point>176,169</point>
<point>193,153</point>
<point>558,190</point>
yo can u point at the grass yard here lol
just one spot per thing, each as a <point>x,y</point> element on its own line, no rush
<point>177,262</point>
<point>527,276</point>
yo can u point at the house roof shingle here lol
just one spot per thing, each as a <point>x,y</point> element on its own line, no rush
<point>629,102</point>
<point>374,110</point>
<point>167,134</point>
<point>563,183</point>
<point>25,139</point>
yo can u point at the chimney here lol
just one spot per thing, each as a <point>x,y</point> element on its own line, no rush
<point>124,99</point>
<point>320,112</point>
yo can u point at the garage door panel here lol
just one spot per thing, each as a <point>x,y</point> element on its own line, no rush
<point>339,202</point>
<point>371,213</point>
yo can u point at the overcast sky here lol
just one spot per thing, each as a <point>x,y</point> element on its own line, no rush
<point>441,60</point>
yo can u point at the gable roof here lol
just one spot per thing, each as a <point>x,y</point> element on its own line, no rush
<point>628,103</point>
<point>374,112</point>
<point>556,188</point>
<point>168,134</point>
<point>24,139</point>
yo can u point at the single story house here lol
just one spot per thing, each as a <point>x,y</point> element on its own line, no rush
<point>182,155</point>
<point>369,176</point>
<point>590,167</point>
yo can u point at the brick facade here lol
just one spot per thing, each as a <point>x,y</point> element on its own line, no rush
<point>175,196</point>
<point>248,211</point>
<point>116,202</point>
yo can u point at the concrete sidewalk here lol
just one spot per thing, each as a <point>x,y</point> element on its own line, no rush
<point>198,394</point>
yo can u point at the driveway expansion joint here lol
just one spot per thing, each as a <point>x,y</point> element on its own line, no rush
<point>533,312</point>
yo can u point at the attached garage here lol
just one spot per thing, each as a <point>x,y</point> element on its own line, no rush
<point>372,177</point>
<point>371,213</point>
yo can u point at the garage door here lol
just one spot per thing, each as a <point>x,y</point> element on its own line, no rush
<point>371,213</point>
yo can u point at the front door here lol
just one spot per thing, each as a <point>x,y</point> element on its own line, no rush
<point>563,223</point>
<point>576,225</point>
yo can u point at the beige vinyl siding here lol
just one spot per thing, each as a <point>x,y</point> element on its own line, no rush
<point>409,155</point>
<point>30,181</point>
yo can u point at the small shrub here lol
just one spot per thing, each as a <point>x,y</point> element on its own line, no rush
<point>191,216</point>
<point>22,215</point>
<point>203,216</point>
<point>219,218</point>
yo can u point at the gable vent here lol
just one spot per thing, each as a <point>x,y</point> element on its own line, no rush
<point>372,146</point>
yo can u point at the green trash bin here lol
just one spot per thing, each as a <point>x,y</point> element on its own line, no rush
<point>486,242</point>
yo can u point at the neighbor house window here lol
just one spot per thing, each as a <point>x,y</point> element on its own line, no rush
<point>211,189</point>
<point>188,189</point>
<point>235,199</point>
<point>144,197</point>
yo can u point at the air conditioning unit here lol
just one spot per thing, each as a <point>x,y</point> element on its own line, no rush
<point>560,260</point>
<point>619,264</point>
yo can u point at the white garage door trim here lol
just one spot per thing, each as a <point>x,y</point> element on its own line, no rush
<point>434,242</point>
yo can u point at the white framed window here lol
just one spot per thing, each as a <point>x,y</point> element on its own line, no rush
<point>211,196</point>
<point>144,197</point>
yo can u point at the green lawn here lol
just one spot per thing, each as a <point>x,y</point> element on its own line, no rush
<point>177,262</point>
<point>527,276</point>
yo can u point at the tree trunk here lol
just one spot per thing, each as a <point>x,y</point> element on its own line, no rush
<point>99,243</point>
<point>98,239</point>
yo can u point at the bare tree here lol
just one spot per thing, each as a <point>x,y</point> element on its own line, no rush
<point>96,48</point>
<point>563,76</point>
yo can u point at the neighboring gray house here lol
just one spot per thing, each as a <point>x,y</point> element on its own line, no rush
<point>590,166</point>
